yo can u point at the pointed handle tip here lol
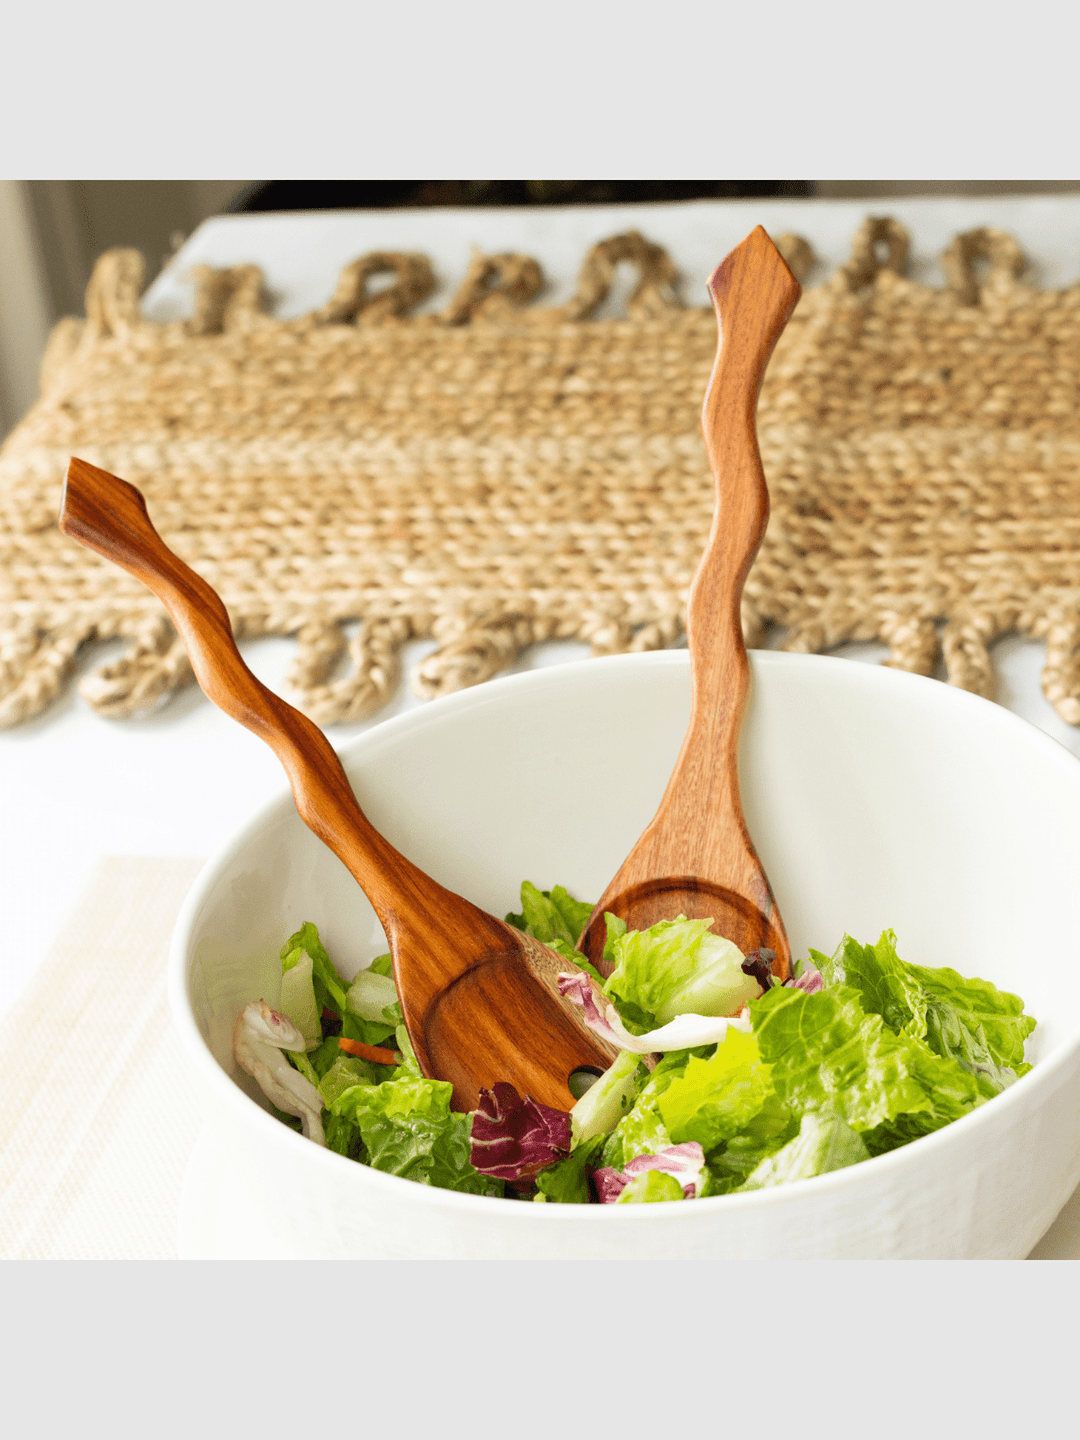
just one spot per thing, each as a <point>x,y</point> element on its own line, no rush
<point>760,250</point>
<point>96,506</point>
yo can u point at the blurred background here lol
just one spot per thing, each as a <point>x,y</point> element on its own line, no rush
<point>52,231</point>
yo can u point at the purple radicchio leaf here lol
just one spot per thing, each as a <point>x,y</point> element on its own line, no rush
<point>579,990</point>
<point>758,965</point>
<point>808,979</point>
<point>685,1162</point>
<point>513,1138</point>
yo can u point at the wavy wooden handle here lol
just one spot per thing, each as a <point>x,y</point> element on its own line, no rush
<point>480,1000</point>
<point>754,294</point>
<point>108,515</point>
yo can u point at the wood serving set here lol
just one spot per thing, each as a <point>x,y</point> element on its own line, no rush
<point>480,1000</point>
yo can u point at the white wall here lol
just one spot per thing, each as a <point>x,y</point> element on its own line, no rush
<point>25,309</point>
<point>52,231</point>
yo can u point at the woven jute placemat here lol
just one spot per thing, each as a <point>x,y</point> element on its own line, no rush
<point>501,473</point>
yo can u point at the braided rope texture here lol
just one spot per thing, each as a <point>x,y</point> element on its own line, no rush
<point>500,473</point>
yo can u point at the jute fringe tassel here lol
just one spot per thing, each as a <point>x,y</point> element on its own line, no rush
<point>500,473</point>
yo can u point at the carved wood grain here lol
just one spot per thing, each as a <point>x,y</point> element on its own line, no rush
<point>478,998</point>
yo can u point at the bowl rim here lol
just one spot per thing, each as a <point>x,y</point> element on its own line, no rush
<point>245,1111</point>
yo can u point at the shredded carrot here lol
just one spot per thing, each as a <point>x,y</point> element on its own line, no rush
<point>369,1052</point>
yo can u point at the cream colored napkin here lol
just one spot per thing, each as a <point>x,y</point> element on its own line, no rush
<point>98,1117</point>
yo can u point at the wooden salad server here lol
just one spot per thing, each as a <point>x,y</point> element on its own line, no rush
<point>696,857</point>
<point>479,999</point>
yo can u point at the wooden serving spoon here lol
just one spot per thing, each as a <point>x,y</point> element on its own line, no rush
<point>479,999</point>
<point>696,857</point>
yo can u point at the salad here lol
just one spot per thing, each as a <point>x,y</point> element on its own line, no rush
<point>726,1080</point>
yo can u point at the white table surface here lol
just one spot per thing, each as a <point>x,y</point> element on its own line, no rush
<point>76,787</point>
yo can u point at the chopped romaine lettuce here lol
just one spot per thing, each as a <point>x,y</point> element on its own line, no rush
<point>605,1103</point>
<point>642,1131</point>
<point>858,1053</point>
<point>567,1181</point>
<point>343,1136</point>
<point>346,1071</point>
<point>331,991</point>
<point>828,1054</point>
<point>408,1129</point>
<point>614,926</point>
<point>970,1021</point>
<point>769,1131</point>
<point>431,1152</point>
<point>677,967</point>
<point>374,997</point>
<point>368,1032</point>
<point>409,1063</point>
<point>715,1098</point>
<point>824,1142</point>
<point>298,999</point>
<point>329,987</point>
<point>556,919</point>
<point>404,1095</point>
<point>324,1055</point>
<point>301,1062</point>
<point>650,1187</point>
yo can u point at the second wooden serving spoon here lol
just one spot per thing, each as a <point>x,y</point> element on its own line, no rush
<point>480,1000</point>
<point>696,857</point>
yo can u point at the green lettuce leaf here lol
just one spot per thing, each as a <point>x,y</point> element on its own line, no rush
<point>642,1131</point>
<point>373,997</point>
<point>606,1102</point>
<point>300,1061</point>
<point>409,1063</point>
<point>769,1131</point>
<point>369,1032</point>
<point>551,914</point>
<point>408,1129</point>
<point>324,1056</point>
<point>828,1054</point>
<point>556,919</point>
<point>431,1152</point>
<point>346,1071</point>
<point>297,1000</point>
<point>343,1136</point>
<point>649,1188</point>
<point>824,1143</point>
<point>566,1182</point>
<point>331,991</point>
<point>677,967</point>
<point>330,988</point>
<point>968,1020</point>
<point>717,1097</point>
<point>613,928</point>
<point>404,1095</point>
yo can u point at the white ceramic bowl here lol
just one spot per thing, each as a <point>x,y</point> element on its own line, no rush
<point>876,798</point>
